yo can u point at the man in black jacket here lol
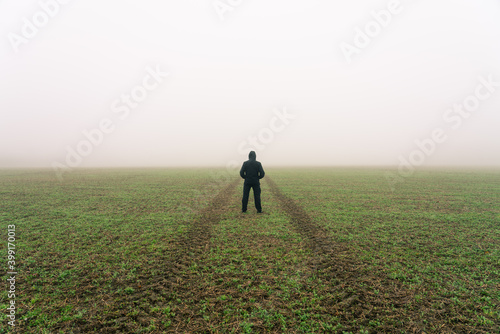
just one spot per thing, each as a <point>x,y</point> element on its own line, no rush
<point>252,172</point>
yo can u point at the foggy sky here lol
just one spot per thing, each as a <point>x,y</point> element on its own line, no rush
<point>233,79</point>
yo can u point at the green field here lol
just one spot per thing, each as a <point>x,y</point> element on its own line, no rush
<point>168,250</point>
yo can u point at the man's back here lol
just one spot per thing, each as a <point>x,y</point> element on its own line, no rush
<point>252,170</point>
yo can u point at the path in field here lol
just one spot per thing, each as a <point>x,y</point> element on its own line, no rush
<point>253,276</point>
<point>363,294</point>
<point>273,272</point>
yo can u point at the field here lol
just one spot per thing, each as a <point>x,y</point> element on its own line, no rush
<point>168,250</point>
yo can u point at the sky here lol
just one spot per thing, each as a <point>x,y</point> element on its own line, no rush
<point>202,82</point>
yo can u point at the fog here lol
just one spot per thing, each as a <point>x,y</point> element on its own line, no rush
<point>201,83</point>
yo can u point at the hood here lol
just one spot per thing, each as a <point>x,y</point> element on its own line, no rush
<point>252,155</point>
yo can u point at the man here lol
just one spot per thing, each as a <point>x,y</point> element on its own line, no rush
<point>252,172</point>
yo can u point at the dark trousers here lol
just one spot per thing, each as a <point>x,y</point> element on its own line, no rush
<point>256,196</point>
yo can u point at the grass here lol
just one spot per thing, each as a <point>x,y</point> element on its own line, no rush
<point>168,250</point>
<point>438,234</point>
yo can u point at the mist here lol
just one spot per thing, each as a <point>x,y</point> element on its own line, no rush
<point>201,83</point>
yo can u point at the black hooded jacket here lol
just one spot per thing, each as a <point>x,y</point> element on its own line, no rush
<point>252,170</point>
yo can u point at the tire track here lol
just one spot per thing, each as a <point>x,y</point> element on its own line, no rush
<point>168,282</point>
<point>362,294</point>
<point>184,283</point>
<point>319,242</point>
<point>197,238</point>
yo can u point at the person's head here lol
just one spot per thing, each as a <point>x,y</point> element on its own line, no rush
<point>252,155</point>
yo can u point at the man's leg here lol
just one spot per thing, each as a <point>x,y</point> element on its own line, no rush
<point>256,196</point>
<point>244,201</point>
